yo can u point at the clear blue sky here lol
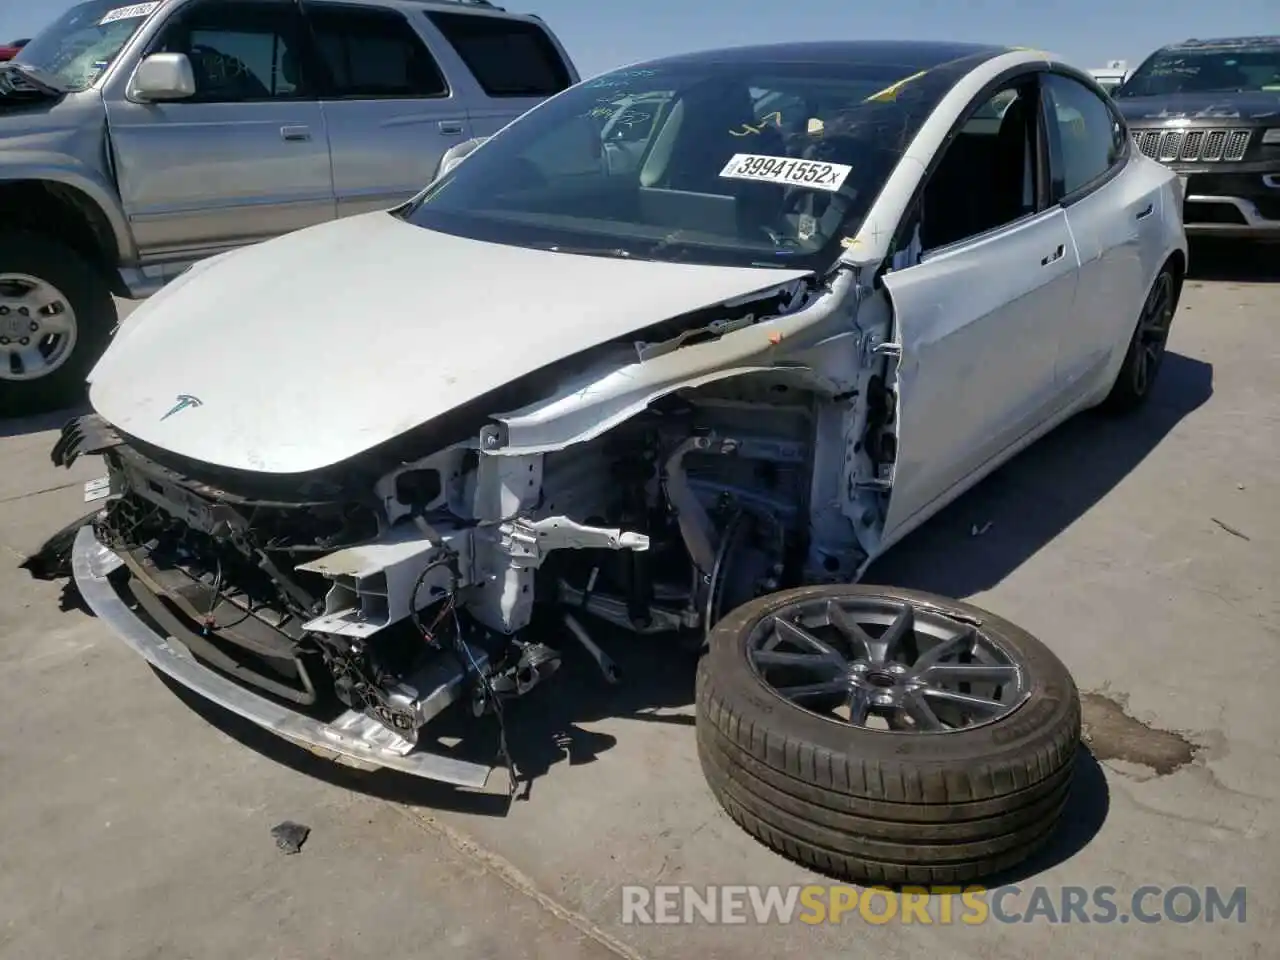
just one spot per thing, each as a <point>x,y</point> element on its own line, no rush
<point>601,34</point>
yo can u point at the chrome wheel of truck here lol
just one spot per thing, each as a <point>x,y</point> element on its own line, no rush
<point>37,327</point>
<point>56,318</point>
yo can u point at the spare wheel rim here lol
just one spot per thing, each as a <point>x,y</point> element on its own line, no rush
<point>886,664</point>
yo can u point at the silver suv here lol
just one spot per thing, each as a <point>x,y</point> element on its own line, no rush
<point>136,139</point>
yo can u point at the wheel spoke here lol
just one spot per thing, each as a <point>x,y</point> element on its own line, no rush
<point>968,701</point>
<point>799,636</point>
<point>1140,373</point>
<point>806,691</point>
<point>30,359</point>
<point>969,673</point>
<point>42,298</point>
<point>1156,328</point>
<point>805,661</point>
<point>961,643</point>
<point>917,708</point>
<point>891,640</point>
<point>859,639</point>
<point>56,323</point>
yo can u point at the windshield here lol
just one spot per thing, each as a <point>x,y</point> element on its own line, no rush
<point>76,48</point>
<point>1211,70</point>
<point>731,163</point>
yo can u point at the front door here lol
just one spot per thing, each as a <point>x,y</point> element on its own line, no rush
<point>978,316</point>
<point>246,158</point>
<point>391,112</point>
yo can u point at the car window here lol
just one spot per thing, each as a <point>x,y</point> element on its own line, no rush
<point>1207,67</point>
<point>373,54</point>
<point>633,122</point>
<point>239,52</point>
<point>986,177</point>
<point>727,162</point>
<point>78,46</point>
<point>508,58</point>
<point>1090,136</point>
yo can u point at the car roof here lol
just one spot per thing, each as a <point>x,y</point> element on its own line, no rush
<point>915,55</point>
<point>1225,43</point>
<point>479,7</point>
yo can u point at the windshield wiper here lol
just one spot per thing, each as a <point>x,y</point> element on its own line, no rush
<point>42,81</point>
<point>616,253</point>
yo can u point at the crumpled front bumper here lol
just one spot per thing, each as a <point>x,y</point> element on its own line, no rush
<point>352,739</point>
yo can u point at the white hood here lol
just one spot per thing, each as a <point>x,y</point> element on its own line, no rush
<point>309,349</point>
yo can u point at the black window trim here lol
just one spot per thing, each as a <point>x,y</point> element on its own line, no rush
<point>1062,197</point>
<point>540,26</point>
<point>1028,73</point>
<point>308,89</point>
<point>326,85</point>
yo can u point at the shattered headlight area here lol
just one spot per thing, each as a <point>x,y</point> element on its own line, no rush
<point>394,604</point>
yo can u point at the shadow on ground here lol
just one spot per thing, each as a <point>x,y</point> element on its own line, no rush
<point>38,423</point>
<point>1086,811</point>
<point>543,729</point>
<point>1024,505</point>
<point>1235,261</point>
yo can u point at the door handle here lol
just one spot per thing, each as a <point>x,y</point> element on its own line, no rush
<point>1145,212</point>
<point>1055,256</point>
<point>450,128</point>
<point>295,133</point>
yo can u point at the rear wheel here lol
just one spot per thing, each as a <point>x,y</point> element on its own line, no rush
<point>56,317</point>
<point>1143,359</point>
<point>885,735</point>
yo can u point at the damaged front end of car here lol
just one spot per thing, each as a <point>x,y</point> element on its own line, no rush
<point>651,484</point>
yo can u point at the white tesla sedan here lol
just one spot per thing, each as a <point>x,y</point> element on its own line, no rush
<point>693,367</point>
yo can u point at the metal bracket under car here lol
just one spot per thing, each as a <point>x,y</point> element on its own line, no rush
<point>353,739</point>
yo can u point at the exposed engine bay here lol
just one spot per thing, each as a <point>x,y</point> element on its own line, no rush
<point>395,588</point>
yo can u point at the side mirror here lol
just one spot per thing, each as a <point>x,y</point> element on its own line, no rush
<point>163,76</point>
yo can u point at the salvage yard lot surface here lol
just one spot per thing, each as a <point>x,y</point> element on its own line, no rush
<point>1146,552</point>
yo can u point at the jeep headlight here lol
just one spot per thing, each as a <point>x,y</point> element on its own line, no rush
<point>1272,135</point>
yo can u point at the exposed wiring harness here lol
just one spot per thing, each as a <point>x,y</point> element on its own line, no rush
<point>462,651</point>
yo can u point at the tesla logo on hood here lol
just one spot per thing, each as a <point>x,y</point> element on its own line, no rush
<point>184,401</point>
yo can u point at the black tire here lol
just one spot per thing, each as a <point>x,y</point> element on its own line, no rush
<point>1138,372</point>
<point>881,806</point>
<point>86,291</point>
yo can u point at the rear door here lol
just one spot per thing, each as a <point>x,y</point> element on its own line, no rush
<point>246,158</point>
<point>1110,208</point>
<point>390,112</point>
<point>515,64</point>
<point>978,316</point>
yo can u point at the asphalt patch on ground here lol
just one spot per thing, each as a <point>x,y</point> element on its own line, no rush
<point>1112,734</point>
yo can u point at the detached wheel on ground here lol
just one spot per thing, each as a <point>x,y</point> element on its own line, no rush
<point>886,736</point>
<point>1145,356</point>
<point>56,317</point>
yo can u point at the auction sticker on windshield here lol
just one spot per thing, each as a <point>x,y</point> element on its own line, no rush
<point>815,174</point>
<point>129,13</point>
